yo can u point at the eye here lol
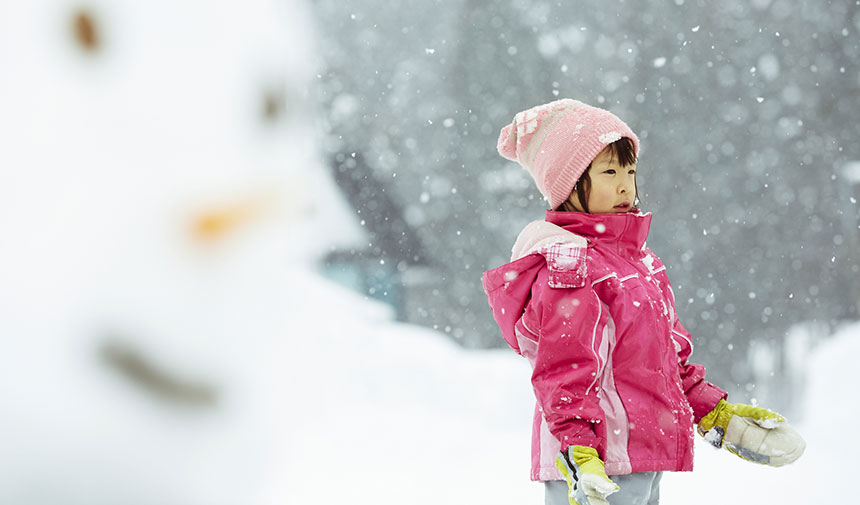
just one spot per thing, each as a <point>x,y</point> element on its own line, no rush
<point>86,31</point>
<point>610,171</point>
<point>632,171</point>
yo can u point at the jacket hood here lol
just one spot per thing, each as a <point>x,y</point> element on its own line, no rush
<point>508,287</point>
<point>538,235</point>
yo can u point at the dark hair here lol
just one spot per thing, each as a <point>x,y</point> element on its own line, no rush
<point>625,151</point>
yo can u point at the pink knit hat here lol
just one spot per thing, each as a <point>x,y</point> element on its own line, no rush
<point>557,141</point>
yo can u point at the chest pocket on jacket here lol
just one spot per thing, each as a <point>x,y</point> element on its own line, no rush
<point>566,264</point>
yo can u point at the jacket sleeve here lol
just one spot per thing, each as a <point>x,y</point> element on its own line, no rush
<point>569,325</point>
<point>701,394</point>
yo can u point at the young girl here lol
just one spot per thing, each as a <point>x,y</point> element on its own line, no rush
<point>591,308</point>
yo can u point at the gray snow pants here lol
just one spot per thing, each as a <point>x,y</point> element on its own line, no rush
<point>636,489</point>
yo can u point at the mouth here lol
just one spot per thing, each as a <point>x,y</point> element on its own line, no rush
<point>622,207</point>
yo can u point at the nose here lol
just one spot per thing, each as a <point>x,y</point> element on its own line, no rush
<point>626,186</point>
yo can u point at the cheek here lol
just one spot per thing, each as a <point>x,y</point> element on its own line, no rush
<point>601,195</point>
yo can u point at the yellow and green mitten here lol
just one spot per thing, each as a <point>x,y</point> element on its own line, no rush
<point>587,481</point>
<point>752,433</point>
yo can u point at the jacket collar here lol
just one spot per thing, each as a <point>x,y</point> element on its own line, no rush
<point>625,232</point>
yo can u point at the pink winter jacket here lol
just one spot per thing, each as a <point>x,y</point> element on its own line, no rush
<point>591,308</point>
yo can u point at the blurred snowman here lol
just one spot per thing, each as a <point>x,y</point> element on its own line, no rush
<point>161,208</point>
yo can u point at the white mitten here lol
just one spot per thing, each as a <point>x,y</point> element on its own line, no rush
<point>752,433</point>
<point>775,446</point>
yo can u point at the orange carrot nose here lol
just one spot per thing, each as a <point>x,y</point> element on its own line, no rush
<point>222,220</point>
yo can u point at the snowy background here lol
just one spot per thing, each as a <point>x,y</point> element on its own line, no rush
<point>746,111</point>
<point>220,225</point>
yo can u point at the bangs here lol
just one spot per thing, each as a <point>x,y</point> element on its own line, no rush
<point>624,150</point>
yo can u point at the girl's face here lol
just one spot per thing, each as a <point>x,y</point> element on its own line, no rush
<point>613,187</point>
